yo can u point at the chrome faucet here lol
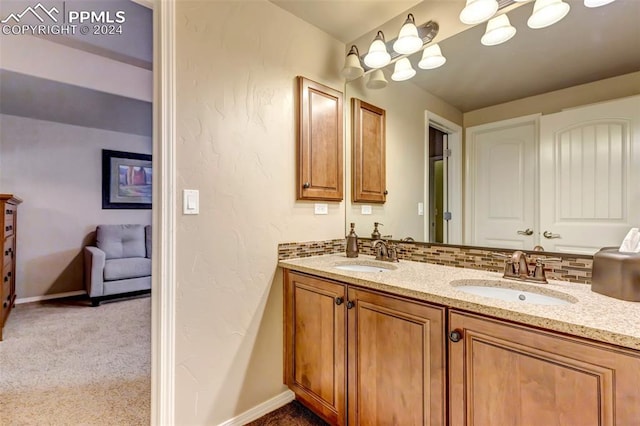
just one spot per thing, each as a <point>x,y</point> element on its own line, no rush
<point>385,251</point>
<point>516,267</point>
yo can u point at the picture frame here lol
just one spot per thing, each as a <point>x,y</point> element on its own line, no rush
<point>126,180</point>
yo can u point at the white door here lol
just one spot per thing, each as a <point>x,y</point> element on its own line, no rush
<point>501,184</point>
<point>590,176</point>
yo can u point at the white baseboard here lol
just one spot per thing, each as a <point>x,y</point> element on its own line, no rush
<point>49,296</point>
<point>261,409</point>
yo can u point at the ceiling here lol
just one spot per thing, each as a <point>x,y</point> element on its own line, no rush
<point>587,45</point>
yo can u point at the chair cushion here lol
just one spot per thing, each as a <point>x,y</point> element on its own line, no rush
<point>147,234</point>
<point>132,267</point>
<point>118,241</point>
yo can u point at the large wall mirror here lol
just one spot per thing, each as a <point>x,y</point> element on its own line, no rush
<point>591,56</point>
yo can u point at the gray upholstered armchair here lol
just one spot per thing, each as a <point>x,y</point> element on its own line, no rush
<point>120,263</point>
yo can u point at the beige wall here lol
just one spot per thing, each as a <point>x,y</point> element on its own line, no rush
<point>56,169</point>
<point>236,69</point>
<point>548,103</point>
<point>404,104</point>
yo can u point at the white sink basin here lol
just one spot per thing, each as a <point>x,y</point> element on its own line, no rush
<point>359,267</point>
<point>513,292</point>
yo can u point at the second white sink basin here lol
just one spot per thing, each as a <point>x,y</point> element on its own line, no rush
<point>513,292</point>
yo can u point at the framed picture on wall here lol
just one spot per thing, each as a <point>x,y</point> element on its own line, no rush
<point>126,180</point>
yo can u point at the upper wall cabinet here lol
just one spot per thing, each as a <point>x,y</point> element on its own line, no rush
<point>368,153</point>
<point>320,149</point>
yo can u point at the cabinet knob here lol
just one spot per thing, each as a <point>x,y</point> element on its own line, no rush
<point>350,304</point>
<point>386,192</point>
<point>4,304</point>
<point>6,278</point>
<point>339,300</point>
<point>455,335</point>
<point>306,185</point>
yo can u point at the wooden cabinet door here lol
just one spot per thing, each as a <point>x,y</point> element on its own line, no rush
<point>320,148</point>
<point>368,153</point>
<point>505,374</point>
<point>315,342</point>
<point>396,361</point>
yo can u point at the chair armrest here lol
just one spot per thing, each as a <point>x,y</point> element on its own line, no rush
<point>94,261</point>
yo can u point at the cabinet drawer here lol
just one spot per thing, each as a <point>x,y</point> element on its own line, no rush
<point>7,276</point>
<point>9,219</point>
<point>6,290</point>
<point>8,250</point>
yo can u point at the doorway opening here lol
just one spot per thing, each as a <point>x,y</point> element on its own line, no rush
<point>438,204</point>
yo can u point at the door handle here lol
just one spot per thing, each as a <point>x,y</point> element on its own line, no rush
<point>548,235</point>
<point>527,231</point>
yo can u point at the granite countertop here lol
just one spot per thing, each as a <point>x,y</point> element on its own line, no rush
<point>592,315</point>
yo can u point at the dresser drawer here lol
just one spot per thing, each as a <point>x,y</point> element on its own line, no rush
<point>8,250</point>
<point>6,287</point>
<point>9,219</point>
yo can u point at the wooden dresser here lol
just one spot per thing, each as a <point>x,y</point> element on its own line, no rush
<point>8,220</point>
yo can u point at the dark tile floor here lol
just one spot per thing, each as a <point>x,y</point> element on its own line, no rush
<point>294,414</point>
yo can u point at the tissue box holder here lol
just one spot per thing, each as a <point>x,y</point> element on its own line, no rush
<point>616,274</point>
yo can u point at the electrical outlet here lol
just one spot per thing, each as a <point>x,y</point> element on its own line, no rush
<point>420,209</point>
<point>366,210</point>
<point>321,208</point>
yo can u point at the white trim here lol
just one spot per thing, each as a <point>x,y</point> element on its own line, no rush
<point>261,409</point>
<point>163,296</point>
<point>49,296</point>
<point>470,167</point>
<point>454,174</point>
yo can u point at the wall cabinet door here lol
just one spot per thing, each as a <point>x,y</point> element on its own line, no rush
<point>504,374</point>
<point>396,361</point>
<point>320,135</point>
<point>369,153</point>
<point>315,339</point>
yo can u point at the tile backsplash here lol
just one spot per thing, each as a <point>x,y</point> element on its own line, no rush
<point>573,268</point>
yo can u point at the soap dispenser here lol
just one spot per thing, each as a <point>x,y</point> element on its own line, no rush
<point>375,235</point>
<point>352,242</point>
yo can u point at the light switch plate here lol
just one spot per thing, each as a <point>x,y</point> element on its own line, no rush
<point>420,209</point>
<point>366,210</point>
<point>321,208</point>
<point>190,201</point>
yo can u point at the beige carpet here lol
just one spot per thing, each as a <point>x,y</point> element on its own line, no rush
<point>66,363</point>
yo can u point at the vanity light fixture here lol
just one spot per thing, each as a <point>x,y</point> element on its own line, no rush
<point>352,67</point>
<point>547,12</point>
<point>477,11</point>
<point>499,30</point>
<point>408,41</point>
<point>377,80</point>
<point>432,58</point>
<point>403,70</point>
<point>596,3</point>
<point>378,56</point>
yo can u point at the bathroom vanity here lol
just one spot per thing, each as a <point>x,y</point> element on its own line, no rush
<point>371,342</point>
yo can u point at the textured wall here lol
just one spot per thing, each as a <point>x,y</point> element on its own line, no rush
<point>56,169</point>
<point>405,105</point>
<point>236,69</point>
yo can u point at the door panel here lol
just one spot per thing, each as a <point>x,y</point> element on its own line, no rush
<point>315,344</point>
<point>502,172</point>
<point>588,175</point>
<point>396,361</point>
<point>505,374</point>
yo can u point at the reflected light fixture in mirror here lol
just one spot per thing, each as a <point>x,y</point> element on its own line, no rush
<point>547,12</point>
<point>352,67</point>
<point>432,58</point>
<point>378,56</point>
<point>403,70</point>
<point>377,80</point>
<point>596,3</point>
<point>499,30</point>
<point>477,11</point>
<point>408,41</point>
